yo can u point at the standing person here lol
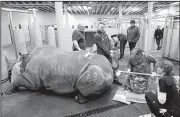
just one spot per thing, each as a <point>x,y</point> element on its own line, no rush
<point>123,40</point>
<point>78,38</point>
<point>103,42</point>
<point>104,46</point>
<point>133,35</point>
<point>158,36</point>
<point>166,102</point>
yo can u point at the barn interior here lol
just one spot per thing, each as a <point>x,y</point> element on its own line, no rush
<point>27,24</point>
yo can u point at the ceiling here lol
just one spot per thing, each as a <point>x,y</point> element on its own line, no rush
<point>80,7</point>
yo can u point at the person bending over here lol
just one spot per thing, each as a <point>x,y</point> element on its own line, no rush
<point>165,103</point>
<point>142,63</point>
<point>123,40</point>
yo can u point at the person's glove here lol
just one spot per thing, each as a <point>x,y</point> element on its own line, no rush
<point>161,110</point>
<point>129,70</point>
<point>111,53</point>
<point>153,75</point>
<point>118,73</point>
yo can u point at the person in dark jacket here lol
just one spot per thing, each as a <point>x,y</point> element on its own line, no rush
<point>158,36</point>
<point>104,46</point>
<point>123,40</point>
<point>103,42</point>
<point>78,38</point>
<point>164,103</point>
<point>133,35</point>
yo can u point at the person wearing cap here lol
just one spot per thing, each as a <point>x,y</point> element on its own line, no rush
<point>104,47</point>
<point>166,102</point>
<point>123,40</point>
<point>142,63</point>
<point>133,35</point>
<point>78,38</point>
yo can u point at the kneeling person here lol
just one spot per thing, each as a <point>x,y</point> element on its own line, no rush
<point>166,102</point>
<point>139,62</point>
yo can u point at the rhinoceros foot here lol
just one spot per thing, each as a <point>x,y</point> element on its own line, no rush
<point>80,99</point>
<point>11,89</point>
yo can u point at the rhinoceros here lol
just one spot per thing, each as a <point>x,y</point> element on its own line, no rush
<point>63,72</point>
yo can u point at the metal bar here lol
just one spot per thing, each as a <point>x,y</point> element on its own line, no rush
<point>106,9</point>
<point>13,36</point>
<point>74,9</point>
<point>83,9</point>
<point>14,10</point>
<point>136,73</point>
<point>69,9</point>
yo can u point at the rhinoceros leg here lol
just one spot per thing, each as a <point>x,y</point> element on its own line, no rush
<point>94,81</point>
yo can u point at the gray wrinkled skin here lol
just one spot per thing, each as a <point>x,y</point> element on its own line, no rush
<point>64,72</point>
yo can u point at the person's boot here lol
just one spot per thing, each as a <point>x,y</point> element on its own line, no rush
<point>120,59</point>
<point>80,99</point>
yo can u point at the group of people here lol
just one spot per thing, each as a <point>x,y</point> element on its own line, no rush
<point>102,41</point>
<point>163,103</point>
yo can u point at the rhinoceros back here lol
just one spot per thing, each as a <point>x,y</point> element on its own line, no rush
<point>59,71</point>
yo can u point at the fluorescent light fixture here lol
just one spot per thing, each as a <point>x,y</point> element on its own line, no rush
<point>85,7</point>
<point>89,7</point>
<point>112,9</point>
<point>175,3</point>
<point>79,7</point>
<point>135,9</point>
<point>158,9</point>
<point>13,10</point>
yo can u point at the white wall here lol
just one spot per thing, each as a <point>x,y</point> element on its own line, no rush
<point>43,18</point>
<point>5,34</point>
<point>46,18</point>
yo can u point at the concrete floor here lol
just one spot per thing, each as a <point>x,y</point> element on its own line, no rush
<point>36,104</point>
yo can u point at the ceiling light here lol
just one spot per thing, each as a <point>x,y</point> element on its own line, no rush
<point>112,9</point>
<point>158,9</point>
<point>89,7</point>
<point>175,3</point>
<point>135,9</point>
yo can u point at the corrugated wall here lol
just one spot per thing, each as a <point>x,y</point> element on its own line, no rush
<point>171,40</point>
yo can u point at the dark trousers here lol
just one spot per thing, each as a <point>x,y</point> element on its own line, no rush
<point>158,42</point>
<point>154,105</point>
<point>132,45</point>
<point>122,47</point>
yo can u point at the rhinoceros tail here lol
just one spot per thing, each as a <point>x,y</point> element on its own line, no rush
<point>93,80</point>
